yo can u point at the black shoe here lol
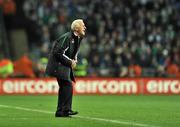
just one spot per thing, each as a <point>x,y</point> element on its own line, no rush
<point>62,114</point>
<point>70,112</point>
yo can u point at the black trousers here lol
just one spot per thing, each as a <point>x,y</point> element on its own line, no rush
<point>64,95</point>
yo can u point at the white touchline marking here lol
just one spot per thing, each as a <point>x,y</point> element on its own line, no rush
<point>21,118</point>
<point>83,117</point>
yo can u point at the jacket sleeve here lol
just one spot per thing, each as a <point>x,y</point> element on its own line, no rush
<point>59,49</point>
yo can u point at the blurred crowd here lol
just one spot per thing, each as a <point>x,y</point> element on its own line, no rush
<point>124,37</point>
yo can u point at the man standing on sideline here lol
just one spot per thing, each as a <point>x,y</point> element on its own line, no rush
<point>62,61</point>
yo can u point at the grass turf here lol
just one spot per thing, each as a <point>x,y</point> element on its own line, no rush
<point>161,111</point>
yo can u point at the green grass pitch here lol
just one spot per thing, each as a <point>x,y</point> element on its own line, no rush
<point>94,111</point>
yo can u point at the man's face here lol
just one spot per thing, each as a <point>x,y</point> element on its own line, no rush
<point>82,29</point>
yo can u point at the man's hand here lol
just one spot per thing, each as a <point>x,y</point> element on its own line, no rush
<point>73,64</point>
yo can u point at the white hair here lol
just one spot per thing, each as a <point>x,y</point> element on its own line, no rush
<point>76,24</point>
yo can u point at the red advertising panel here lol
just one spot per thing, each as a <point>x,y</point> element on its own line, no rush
<point>100,86</point>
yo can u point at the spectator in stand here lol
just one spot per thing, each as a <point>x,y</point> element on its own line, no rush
<point>9,7</point>
<point>23,67</point>
<point>9,10</point>
<point>134,70</point>
<point>6,68</point>
<point>173,70</point>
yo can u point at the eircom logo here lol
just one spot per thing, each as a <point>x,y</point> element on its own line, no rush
<point>163,86</point>
<point>29,87</point>
<point>106,87</point>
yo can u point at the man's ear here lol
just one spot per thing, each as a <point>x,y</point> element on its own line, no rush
<point>76,29</point>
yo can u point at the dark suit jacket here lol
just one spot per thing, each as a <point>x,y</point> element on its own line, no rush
<point>63,50</point>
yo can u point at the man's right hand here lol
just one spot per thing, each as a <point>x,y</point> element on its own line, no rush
<point>73,64</point>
